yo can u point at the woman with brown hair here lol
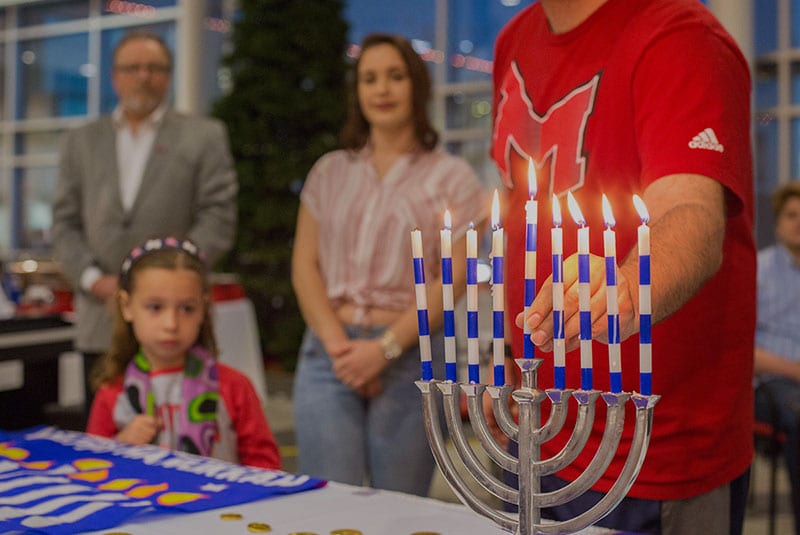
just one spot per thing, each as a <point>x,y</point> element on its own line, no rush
<point>357,411</point>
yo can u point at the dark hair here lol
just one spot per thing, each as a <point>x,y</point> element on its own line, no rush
<point>135,35</point>
<point>124,345</point>
<point>782,195</point>
<point>355,132</point>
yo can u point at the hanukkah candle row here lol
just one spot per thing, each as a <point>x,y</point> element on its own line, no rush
<point>498,304</point>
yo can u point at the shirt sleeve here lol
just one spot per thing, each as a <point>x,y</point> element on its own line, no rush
<point>693,85</point>
<point>255,442</point>
<point>101,416</point>
<point>313,189</point>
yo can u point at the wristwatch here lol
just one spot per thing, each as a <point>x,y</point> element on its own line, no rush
<point>391,347</point>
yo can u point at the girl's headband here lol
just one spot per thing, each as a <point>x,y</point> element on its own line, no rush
<point>158,244</point>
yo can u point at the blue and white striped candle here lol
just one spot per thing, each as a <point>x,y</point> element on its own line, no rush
<point>531,217</point>
<point>473,346</point>
<point>645,306</point>
<point>557,246</point>
<point>612,307</point>
<point>584,293</point>
<point>448,306</point>
<point>498,298</point>
<point>422,306</point>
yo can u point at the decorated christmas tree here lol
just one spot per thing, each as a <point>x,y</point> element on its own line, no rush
<point>286,105</point>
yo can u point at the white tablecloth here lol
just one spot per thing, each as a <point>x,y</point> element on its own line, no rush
<point>320,511</point>
<point>336,506</point>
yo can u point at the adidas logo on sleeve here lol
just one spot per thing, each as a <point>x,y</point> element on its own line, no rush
<point>706,139</point>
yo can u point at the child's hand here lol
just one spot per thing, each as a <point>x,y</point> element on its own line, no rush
<point>141,430</point>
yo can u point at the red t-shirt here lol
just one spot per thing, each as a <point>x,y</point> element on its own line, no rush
<point>255,444</point>
<point>639,91</point>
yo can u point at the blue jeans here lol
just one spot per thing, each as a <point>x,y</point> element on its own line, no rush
<point>785,401</point>
<point>344,437</point>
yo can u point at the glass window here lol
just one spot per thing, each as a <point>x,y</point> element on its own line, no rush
<point>52,11</point>
<point>48,142</point>
<point>476,152</point>
<point>795,25</point>
<point>766,85</point>
<point>2,82</point>
<point>34,187</point>
<point>765,17</point>
<point>795,149</point>
<point>766,145</point>
<point>795,82</point>
<point>766,150</point>
<point>108,41</point>
<point>214,78</point>
<point>469,110</point>
<point>415,19</point>
<point>473,26</point>
<point>142,8</point>
<point>52,78</point>
<point>5,215</point>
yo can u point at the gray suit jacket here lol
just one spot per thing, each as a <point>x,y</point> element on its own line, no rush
<point>188,190</point>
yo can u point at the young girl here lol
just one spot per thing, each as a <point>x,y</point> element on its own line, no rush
<point>160,382</point>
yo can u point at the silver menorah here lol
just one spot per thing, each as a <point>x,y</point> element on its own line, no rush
<point>530,435</point>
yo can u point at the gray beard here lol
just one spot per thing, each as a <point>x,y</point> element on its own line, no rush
<point>139,106</point>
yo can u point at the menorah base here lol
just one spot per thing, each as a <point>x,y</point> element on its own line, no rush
<point>530,435</point>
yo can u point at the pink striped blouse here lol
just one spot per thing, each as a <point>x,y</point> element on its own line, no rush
<point>365,222</point>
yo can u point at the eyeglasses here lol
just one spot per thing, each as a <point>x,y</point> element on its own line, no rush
<point>150,68</point>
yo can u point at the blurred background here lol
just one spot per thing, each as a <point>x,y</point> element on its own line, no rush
<point>274,71</point>
<point>55,58</point>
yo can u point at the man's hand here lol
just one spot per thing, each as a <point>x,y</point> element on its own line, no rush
<point>687,229</point>
<point>540,318</point>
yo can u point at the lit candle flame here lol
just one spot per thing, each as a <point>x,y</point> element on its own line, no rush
<point>448,223</point>
<point>556,212</point>
<point>471,225</point>
<point>495,211</point>
<point>575,210</point>
<point>644,215</point>
<point>532,186</point>
<point>608,215</point>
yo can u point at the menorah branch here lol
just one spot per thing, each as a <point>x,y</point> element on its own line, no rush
<point>481,429</point>
<point>436,442</point>
<point>633,463</point>
<point>483,476</point>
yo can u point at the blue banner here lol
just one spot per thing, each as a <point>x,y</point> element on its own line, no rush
<point>55,481</point>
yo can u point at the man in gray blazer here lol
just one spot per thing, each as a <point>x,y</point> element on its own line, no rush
<point>142,172</point>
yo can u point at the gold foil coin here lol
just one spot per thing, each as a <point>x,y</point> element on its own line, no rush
<point>258,527</point>
<point>346,532</point>
<point>230,516</point>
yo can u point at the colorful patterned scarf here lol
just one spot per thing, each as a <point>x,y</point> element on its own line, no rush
<point>197,421</point>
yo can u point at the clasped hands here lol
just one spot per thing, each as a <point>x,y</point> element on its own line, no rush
<point>358,364</point>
